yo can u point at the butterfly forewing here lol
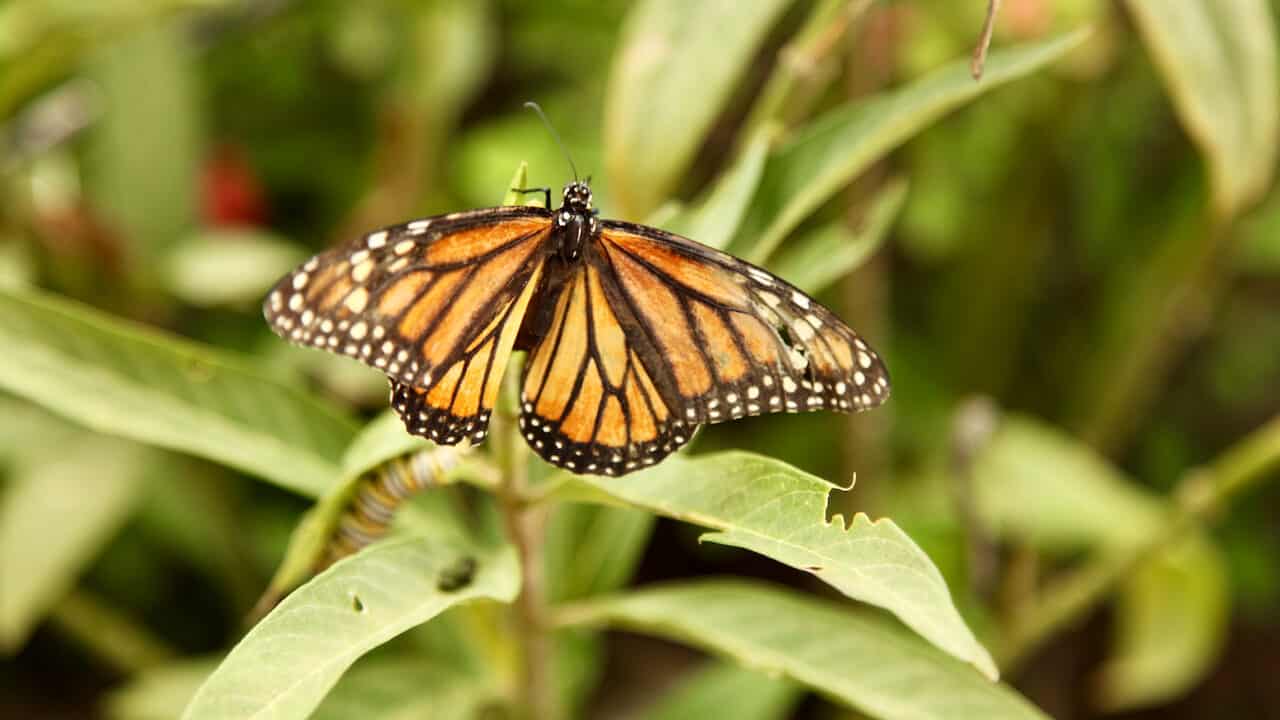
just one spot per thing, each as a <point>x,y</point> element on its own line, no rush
<point>435,304</point>
<point>734,339</point>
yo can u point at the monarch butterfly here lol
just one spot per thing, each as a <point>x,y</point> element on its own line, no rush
<point>636,336</point>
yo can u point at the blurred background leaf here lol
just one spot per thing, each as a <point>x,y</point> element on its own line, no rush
<point>139,384</point>
<point>720,688</point>
<point>1219,61</point>
<point>676,67</point>
<point>85,486</point>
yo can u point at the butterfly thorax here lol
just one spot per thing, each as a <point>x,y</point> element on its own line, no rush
<point>575,222</point>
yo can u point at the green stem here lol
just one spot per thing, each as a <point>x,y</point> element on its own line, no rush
<point>799,61</point>
<point>524,525</point>
<point>1199,496</point>
<point>110,636</point>
<point>1145,327</point>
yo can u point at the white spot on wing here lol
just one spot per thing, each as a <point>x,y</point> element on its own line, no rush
<point>356,301</point>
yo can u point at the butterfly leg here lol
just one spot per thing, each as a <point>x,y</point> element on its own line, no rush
<point>546,194</point>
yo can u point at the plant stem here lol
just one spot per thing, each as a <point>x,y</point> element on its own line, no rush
<point>800,59</point>
<point>109,635</point>
<point>1200,494</point>
<point>984,40</point>
<point>524,524</point>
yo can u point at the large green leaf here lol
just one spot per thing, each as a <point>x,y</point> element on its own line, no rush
<point>592,549</point>
<point>1218,60</point>
<point>85,488</point>
<point>159,693</point>
<point>862,660</point>
<point>144,152</point>
<point>228,267</point>
<point>589,550</point>
<point>1041,487</point>
<point>676,67</point>
<point>815,260</point>
<point>714,219</point>
<point>377,688</point>
<point>832,150</point>
<point>771,508</point>
<point>724,690</point>
<point>127,380</point>
<point>287,664</point>
<point>1171,623</point>
<point>406,688</point>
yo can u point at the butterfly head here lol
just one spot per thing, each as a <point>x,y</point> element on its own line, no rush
<point>577,197</point>
<point>575,220</point>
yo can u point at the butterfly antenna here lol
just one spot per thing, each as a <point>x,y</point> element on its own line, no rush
<point>551,129</point>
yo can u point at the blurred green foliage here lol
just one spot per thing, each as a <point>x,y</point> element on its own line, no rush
<point>1072,266</point>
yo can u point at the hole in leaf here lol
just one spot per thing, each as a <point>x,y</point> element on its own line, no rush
<point>457,576</point>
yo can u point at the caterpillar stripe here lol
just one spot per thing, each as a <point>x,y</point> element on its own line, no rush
<point>371,511</point>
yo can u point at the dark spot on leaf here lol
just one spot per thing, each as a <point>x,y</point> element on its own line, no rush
<point>198,370</point>
<point>813,568</point>
<point>357,604</point>
<point>458,575</point>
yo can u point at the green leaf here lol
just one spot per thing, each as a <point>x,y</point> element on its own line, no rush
<point>228,267</point>
<point>833,149</point>
<point>677,65</point>
<point>519,181</point>
<point>144,152</point>
<point>86,488</point>
<point>383,439</point>
<point>771,508</point>
<point>375,688</point>
<point>1218,60</point>
<point>404,688</point>
<point>816,260</point>
<point>126,380</point>
<point>159,693</point>
<point>713,220</point>
<point>1040,486</point>
<point>724,690</point>
<point>286,665</point>
<point>1171,624</point>
<point>593,549</point>
<point>859,659</point>
<point>589,550</point>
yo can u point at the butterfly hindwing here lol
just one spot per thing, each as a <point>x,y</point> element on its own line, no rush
<point>589,401</point>
<point>735,339</point>
<point>435,304</point>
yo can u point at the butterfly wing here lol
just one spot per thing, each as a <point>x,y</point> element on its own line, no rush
<point>590,402</point>
<point>436,304</point>
<point>737,340</point>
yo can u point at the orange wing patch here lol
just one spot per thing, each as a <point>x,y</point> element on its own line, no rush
<point>471,245</point>
<point>695,274</point>
<point>652,299</point>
